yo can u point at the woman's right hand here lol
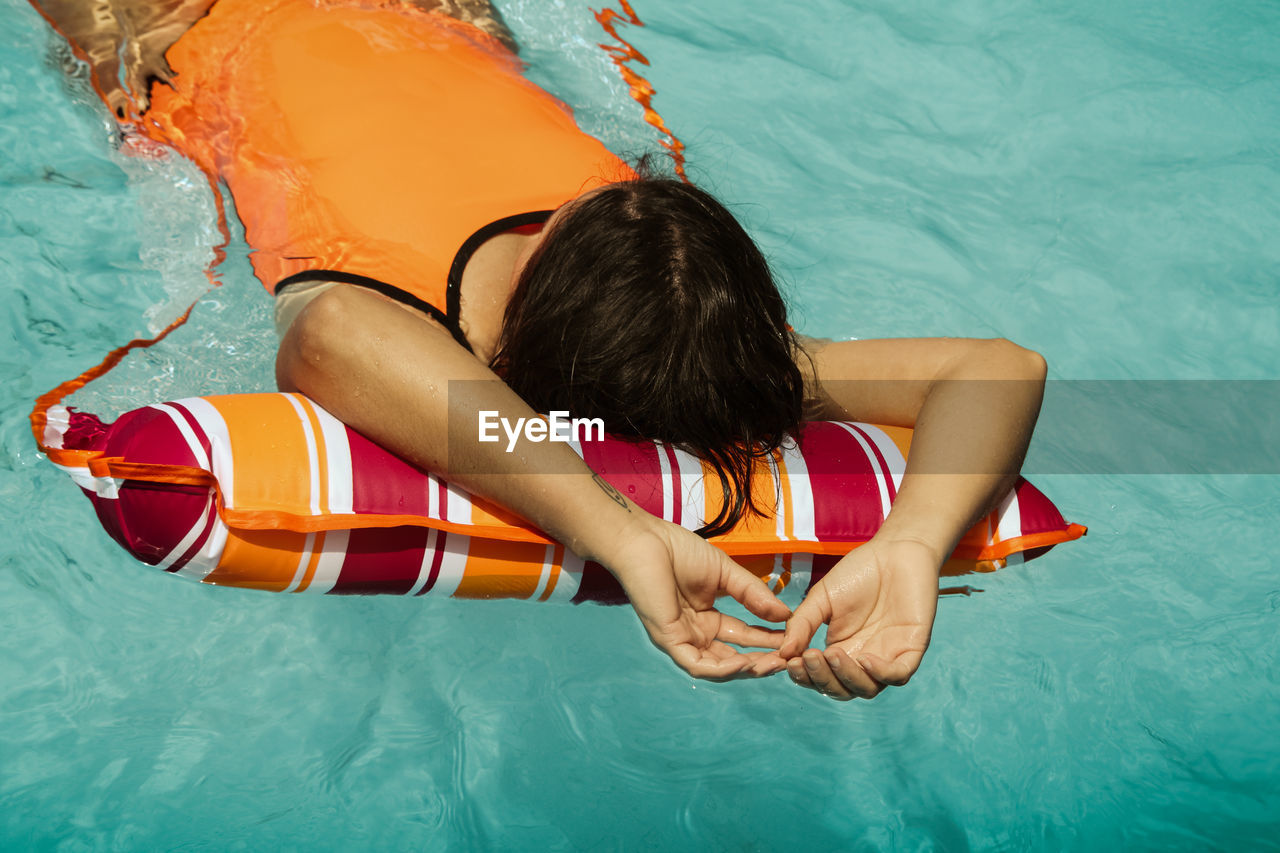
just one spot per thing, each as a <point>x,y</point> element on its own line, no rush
<point>673,577</point>
<point>124,42</point>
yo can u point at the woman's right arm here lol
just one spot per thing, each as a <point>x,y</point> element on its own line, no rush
<point>403,381</point>
<point>133,35</point>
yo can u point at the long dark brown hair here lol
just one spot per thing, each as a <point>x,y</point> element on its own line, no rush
<point>649,306</point>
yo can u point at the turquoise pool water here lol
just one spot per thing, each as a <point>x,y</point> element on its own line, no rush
<point>1098,180</point>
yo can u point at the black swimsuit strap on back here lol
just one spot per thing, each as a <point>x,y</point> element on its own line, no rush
<point>450,317</point>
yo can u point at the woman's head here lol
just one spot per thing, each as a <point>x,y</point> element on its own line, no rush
<point>648,306</point>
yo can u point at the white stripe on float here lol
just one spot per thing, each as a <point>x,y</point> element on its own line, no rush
<point>548,563</point>
<point>337,451</point>
<point>215,430</point>
<point>885,503</point>
<point>668,488</point>
<point>192,535</point>
<point>798,585</point>
<point>433,496</point>
<point>329,566</point>
<point>57,422</point>
<point>774,578</point>
<point>428,554</point>
<point>569,579</point>
<point>300,572</point>
<point>780,511</point>
<point>892,455</point>
<point>458,506</point>
<point>204,561</point>
<point>313,456</point>
<point>1009,524</point>
<point>103,487</point>
<point>453,563</point>
<point>188,435</point>
<point>802,511</point>
<point>693,498</point>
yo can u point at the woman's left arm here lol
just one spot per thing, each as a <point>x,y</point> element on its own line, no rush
<point>973,405</point>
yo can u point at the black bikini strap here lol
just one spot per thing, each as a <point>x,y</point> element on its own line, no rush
<point>449,318</point>
<point>453,293</point>
<point>389,290</point>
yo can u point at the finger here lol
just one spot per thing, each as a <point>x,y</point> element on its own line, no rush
<point>798,673</point>
<point>769,663</point>
<point>760,664</point>
<point>821,676</point>
<point>705,665</point>
<point>896,672</point>
<point>753,593</point>
<point>720,662</point>
<point>163,71</point>
<point>118,102</point>
<point>852,677</point>
<point>805,621</point>
<point>734,630</point>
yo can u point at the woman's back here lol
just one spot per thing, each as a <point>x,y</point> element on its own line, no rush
<point>342,148</point>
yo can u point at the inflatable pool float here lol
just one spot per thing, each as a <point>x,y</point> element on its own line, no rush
<point>271,492</point>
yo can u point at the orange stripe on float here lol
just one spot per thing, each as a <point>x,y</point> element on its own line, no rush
<point>1028,541</point>
<point>501,570</point>
<point>900,436</point>
<point>272,466</point>
<point>317,551</point>
<point>486,513</point>
<point>752,527</point>
<point>760,565</point>
<point>259,559</point>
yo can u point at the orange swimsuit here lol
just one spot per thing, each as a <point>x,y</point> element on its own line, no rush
<point>368,142</point>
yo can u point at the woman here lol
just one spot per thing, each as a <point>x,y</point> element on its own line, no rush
<point>638,301</point>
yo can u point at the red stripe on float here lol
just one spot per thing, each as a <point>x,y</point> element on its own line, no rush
<point>846,497</point>
<point>630,467</point>
<point>383,484</point>
<point>1037,511</point>
<point>150,519</point>
<point>201,437</point>
<point>84,432</point>
<point>436,559</point>
<point>880,460</point>
<point>383,561</point>
<point>207,530</point>
<point>677,489</point>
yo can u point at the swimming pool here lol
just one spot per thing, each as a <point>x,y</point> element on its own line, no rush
<point>1095,180</point>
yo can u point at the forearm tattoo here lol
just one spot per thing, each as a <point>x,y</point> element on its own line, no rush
<point>614,494</point>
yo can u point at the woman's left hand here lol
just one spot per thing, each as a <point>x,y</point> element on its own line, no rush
<point>879,603</point>
<point>673,578</point>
